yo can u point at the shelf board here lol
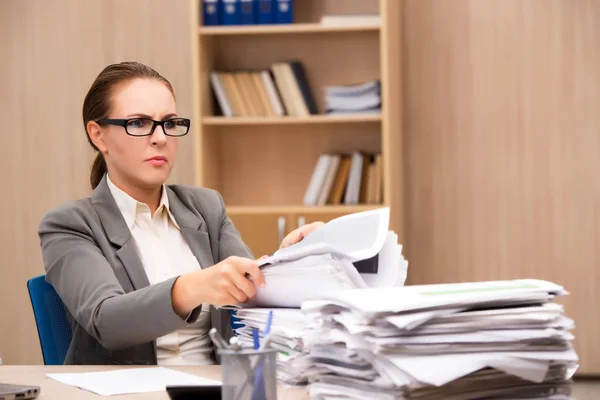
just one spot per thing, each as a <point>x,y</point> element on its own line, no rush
<point>299,209</point>
<point>283,28</point>
<point>313,119</point>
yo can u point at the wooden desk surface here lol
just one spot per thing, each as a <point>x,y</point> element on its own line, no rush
<point>51,389</point>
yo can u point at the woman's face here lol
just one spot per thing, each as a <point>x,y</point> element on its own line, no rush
<point>144,162</point>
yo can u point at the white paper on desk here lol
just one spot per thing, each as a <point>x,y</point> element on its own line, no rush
<point>339,237</point>
<point>453,366</point>
<point>289,283</point>
<point>530,365</point>
<point>490,336</point>
<point>130,381</point>
<point>416,298</point>
<point>323,262</point>
<point>392,267</point>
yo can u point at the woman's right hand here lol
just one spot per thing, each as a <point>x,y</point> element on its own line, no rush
<point>232,281</point>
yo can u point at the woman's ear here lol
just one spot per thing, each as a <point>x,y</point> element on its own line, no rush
<point>96,135</point>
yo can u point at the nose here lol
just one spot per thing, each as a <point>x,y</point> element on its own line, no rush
<point>158,137</point>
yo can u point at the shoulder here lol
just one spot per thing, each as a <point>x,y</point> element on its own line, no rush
<point>74,215</point>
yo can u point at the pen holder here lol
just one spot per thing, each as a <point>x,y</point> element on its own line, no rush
<point>249,374</point>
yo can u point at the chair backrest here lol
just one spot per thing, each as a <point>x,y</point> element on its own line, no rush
<point>53,326</point>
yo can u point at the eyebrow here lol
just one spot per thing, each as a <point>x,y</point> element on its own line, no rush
<point>141,115</point>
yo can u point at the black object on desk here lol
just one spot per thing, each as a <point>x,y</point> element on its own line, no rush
<point>194,392</point>
<point>368,266</point>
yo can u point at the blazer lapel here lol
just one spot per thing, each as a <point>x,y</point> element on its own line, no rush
<point>118,233</point>
<point>191,224</point>
<point>131,260</point>
<point>199,242</point>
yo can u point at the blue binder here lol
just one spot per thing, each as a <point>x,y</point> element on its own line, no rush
<point>247,12</point>
<point>230,12</point>
<point>284,11</point>
<point>266,12</point>
<point>211,13</point>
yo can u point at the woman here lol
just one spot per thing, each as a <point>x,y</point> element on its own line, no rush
<point>141,265</point>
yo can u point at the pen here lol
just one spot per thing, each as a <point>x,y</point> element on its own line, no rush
<point>264,345</point>
<point>217,339</point>
<point>235,343</point>
<point>255,338</point>
<point>259,382</point>
<point>269,321</point>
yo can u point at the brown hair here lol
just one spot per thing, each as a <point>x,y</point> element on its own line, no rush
<point>97,103</point>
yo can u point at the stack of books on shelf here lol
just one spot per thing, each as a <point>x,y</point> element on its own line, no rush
<point>281,90</point>
<point>354,99</point>
<point>345,179</point>
<point>247,12</point>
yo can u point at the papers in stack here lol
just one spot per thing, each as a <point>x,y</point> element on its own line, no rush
<point>352,251</point>
<point>359,98</point>
<point>500,339</point>
<point>326,261</point>
<point>288,328</point>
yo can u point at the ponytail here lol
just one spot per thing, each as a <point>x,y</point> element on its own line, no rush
<point>98,170</point>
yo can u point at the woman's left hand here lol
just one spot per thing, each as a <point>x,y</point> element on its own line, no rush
<point>298,234</point>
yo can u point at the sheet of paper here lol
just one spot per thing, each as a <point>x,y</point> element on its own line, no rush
<point>339,236</point>
<point>450,367</point>
<point>413,320</point>
<point>130,381</point>
<point>498,336</point>
<point>393,268</point>
<point>411,298</point>
<point>288,285</point>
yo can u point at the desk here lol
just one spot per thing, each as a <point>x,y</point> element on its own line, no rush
<point>53,390</point>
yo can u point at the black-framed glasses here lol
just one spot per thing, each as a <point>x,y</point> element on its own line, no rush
<point>146,126</point>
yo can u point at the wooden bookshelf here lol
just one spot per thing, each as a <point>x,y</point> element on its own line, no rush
<point>313,119</point>
<point>282,29</point>
<point>295,209</point>
<point>262,165</point>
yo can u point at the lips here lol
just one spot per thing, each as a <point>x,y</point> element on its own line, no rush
<point>157,160</point>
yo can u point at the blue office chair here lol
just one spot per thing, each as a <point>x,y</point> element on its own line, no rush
<point>50,315</point>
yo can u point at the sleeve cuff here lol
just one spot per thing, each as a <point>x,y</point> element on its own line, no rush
<point>193,316</point>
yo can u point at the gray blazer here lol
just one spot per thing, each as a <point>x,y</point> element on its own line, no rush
<point>91,260</point>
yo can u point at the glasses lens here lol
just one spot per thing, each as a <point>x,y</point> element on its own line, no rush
<point>177,126</point>
<point>139,127</point>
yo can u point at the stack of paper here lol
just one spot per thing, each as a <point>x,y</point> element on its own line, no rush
<point>288,328</point>
<point>352,251</point>
<point>359,98</point>
<point>500,339</point>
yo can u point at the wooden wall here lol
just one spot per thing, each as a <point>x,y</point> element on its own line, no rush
<point>502,120</point>
<point>50,53</point>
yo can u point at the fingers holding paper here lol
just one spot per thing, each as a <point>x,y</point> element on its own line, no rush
<point>233,281</point>
<point>298,234</point>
